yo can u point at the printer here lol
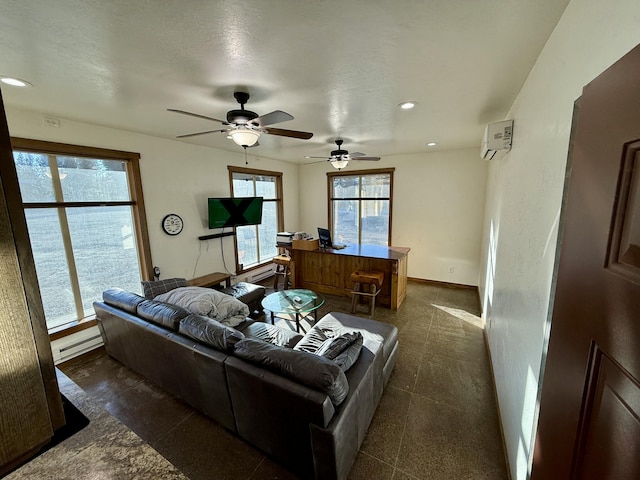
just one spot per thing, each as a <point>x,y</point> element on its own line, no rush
<point>284,239</point>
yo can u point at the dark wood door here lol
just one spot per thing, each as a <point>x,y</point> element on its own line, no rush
<point>589,424</point>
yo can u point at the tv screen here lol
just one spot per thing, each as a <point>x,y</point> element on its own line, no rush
<point>235,212</point>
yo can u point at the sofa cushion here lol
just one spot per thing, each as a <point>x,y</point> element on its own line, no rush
<point>163,314</point>
<point>337,323</point>
<point>311,370</point>
<point>210,332</point>
<point>119,298</point>
<point>152,289</point>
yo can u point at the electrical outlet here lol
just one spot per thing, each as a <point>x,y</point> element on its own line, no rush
<point>452,269</point>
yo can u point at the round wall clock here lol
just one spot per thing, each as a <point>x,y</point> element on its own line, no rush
<point>172,224</point>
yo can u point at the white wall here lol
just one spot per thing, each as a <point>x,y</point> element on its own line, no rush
<point>176,178</point>
<point>523,203</point>
<point>438,205</point>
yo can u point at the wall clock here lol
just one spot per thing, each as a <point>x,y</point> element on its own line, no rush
<point>172,224</point>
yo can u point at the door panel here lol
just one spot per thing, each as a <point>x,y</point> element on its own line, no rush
<point>610,432</point>
<point>589,407</point>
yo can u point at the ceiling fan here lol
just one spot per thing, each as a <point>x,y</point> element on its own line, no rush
<point>340,158</point>
<point>245,126</point>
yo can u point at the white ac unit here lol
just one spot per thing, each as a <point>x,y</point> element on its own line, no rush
<point>497,138</point>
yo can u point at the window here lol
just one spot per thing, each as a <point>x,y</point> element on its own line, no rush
<point>256,244</point>
<point>360,206</point>
<point>85,217</point>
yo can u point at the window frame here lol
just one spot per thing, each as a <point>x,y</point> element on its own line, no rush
<point>359,173</point>
<point>136,202</point>
<point>279,208</point>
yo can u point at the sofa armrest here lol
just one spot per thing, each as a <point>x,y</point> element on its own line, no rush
<point>274,413</point>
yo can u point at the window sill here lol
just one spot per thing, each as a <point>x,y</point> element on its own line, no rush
<point>71,328</point>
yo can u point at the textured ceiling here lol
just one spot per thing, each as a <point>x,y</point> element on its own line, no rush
<point>339,67</point>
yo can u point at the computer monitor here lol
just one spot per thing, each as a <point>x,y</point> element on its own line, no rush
<point>324,236</point>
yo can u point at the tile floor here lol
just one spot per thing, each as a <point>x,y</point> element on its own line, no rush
<point>437,418</point>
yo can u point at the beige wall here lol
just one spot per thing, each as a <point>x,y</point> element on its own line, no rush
<point>438,198</point>
<point>438,204</point>
<point>176,178</point>
<point>523,204</point>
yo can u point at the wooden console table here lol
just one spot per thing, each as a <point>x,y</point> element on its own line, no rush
<point>326,270</point>
<point>212,280</point>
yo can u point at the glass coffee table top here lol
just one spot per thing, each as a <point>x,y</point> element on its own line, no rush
<point>297,303</point>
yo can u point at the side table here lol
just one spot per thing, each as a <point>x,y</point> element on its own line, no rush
<point>212,280</point>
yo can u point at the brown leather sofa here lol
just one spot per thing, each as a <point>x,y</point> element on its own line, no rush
<point>260,381</point>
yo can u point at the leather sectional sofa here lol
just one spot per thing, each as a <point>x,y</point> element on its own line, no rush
<point>274,388</point>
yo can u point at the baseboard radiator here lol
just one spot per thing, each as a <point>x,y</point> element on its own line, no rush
<point>259,274</point>
<point>71,346</point>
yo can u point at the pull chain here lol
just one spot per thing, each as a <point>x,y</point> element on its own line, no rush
<point>245,155</point>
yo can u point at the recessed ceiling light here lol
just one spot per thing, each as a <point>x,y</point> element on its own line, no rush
<point>431,144</point>
<point>16,82</point>
<point>407,105</point>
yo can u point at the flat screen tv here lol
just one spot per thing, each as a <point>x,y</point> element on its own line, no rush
<point>235,212</point>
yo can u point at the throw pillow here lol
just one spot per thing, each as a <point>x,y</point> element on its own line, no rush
<point>313,340</point>
<point>344,350</point>
<point>332,347</point>
<point>152,289</point>
<point>206,301</point>
<point>195,299</point>
<point>348,357</point>
<point>311,370</point>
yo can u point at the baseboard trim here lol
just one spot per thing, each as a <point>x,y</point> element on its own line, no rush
<point>495,396</point>
<point>442,284</point>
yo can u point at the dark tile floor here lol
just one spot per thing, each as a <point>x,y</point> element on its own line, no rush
<point>437,418</point>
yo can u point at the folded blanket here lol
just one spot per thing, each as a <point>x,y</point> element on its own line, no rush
<point>224,308</point>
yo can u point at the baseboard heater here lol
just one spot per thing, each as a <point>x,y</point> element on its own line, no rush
<point>76,344</point>
<point>258,276</point>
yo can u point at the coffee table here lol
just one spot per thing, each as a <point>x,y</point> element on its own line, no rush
<point>296,303</point>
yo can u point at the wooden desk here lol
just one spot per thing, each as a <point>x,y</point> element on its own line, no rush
<point>211,280</point>
<point>328,270</point>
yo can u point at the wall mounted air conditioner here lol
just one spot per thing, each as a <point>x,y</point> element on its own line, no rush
<point>497,138</point>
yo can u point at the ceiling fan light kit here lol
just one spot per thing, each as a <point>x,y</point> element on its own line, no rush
<point>340,158</point>
<point>339,164</point>
<point>245,137</point>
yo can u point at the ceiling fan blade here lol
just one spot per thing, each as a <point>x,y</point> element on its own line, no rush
<point>197,115</point>
<point>289,133</point>
<point>200,133</point>
<point>276,116</point>
<point>356,154</point>
<point>319,161</point>
<point>375,159</point>
<point>311,156</point>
